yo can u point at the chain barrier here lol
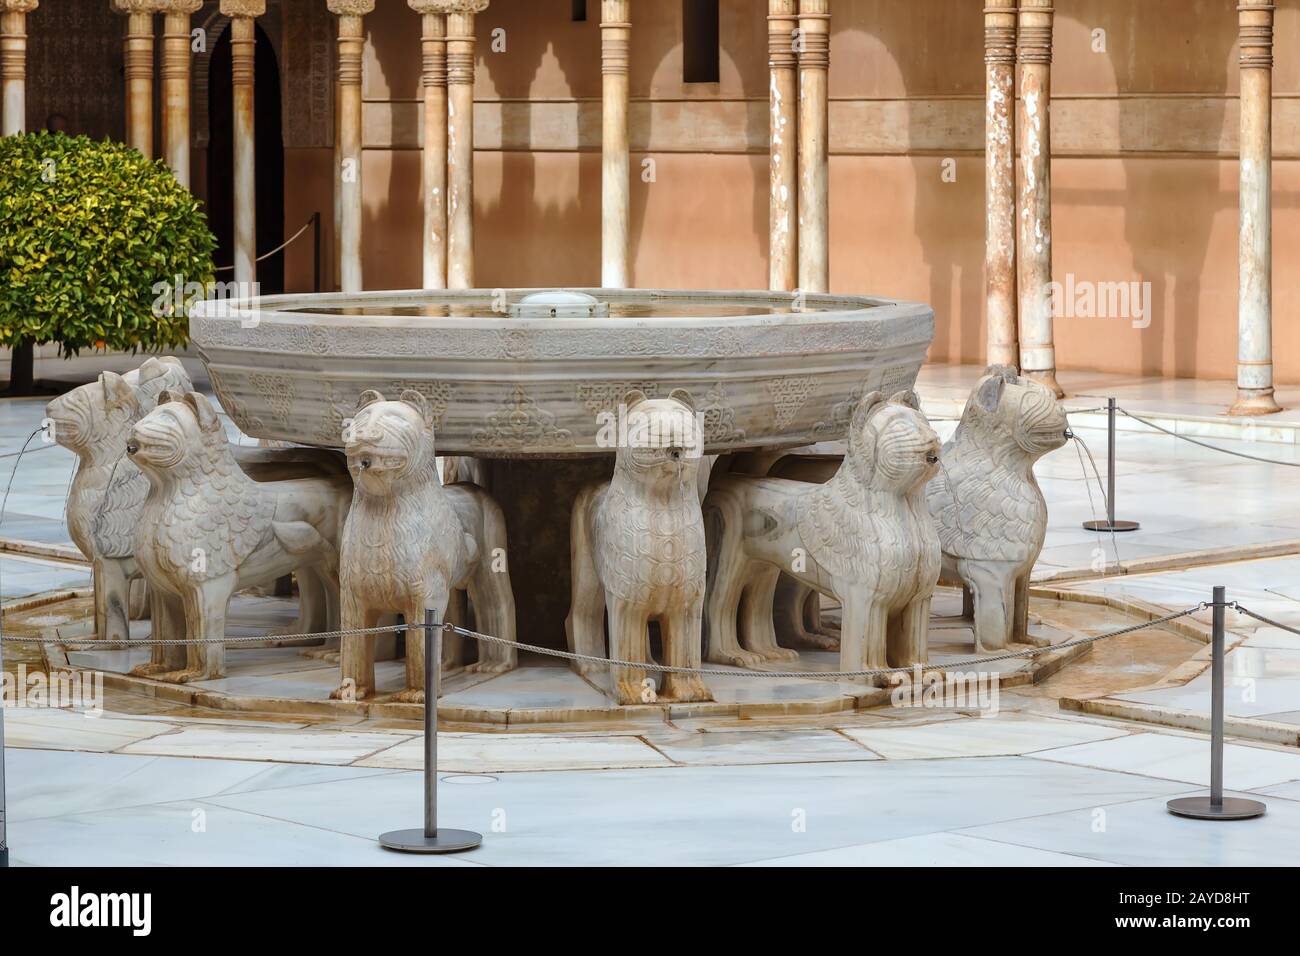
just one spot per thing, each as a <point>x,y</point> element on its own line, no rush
<point>1204,444</point>
<point>94,643</point>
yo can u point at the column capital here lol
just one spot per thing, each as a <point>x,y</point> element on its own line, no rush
<point>782,18</point>
<point>1000,31</point>
<point>350,8</point>
<point>247,9</point>
<point>1255,34</point>
<point>127,7</point>
<point>1034,36</point>
<point>187,7</point>
<point>17,6</point>
<point>448,6</point>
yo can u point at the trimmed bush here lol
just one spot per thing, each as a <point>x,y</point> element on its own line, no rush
<point>88,233</point>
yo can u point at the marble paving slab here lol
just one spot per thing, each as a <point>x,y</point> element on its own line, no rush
<point>978,737</point>
<point>493,753</point>
<point>286,746</point>
<point>55,729</point>
<point>933,849</point>
<point>733,747</point>
<point>1144,833</point>
<point>1185,759</point>
<point>182,834</point>
<point>706,815</point>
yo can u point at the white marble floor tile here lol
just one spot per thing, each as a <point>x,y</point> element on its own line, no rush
<point>234,743</point>
<point>978,737</point>
<point>494,753</point>
<point>729,748</point>
<point>933,849</point>
<point>52,729</point>
<point>165,835</point>
<point>1186,759</point>
<point>706,815</point>
<point>46,783</point>
<point>1144,833</point>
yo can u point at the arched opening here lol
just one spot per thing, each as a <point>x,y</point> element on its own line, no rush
<point>270,159</point>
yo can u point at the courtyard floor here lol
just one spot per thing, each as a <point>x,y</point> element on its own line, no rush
<point>1050,778</point>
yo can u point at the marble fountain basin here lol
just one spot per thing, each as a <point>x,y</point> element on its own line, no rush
<point>525,373</point>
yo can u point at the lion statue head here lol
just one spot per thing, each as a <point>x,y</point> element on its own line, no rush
<point>1012,409</point>
<point>182,431</point>
<point>389,442</point>
<point>891,445</point>
<point>95,419</point>
<point>661,439</point>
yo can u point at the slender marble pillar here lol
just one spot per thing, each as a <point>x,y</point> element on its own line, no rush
<point>1000,183</point>
<point>460,141</point>
<point>783,146</point>
<point>814,149</point>
<point>13,64</point>
<point>352,37</point>
<point>176,85</point>
<point>138,70</point>
<point>434,132</point>
<point>243,46</point>
<point>1034,245</point>
<point>1255,242</point>
<point>615,44</point>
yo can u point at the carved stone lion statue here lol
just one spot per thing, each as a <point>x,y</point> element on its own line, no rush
<point>990,512</point>
<point>864,537</point>
<point>638,551</point>
<point>409,543</point>
<point>95,422</point>
<point>207,529</point>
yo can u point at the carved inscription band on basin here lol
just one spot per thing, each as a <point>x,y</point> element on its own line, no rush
<point>764,370</point>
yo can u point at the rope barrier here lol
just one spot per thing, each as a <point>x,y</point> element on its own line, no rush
<point>1203,444</point>
<point>307,225</point>
<point>93,643</point>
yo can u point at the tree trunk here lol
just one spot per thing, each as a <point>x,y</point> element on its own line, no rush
<point>20,370</point>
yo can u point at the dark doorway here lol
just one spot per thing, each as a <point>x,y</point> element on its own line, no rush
<point>270,161</point>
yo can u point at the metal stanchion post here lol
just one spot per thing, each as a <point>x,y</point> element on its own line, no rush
<point>1110,524</point>
<point>431,839</point>
<point>1216,806</point>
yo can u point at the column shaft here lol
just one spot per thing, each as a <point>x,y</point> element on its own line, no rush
<point>615,42</point>
<point>243,44</point>
<point>1255,243</point>
<point>1034,246</point>
<point>460,150</point>
<point>138,62</point>
<point>1000,183</point>
<point>814,147</point>
<point>783,147</point>
<point>435,150</point>
<point>176,94</point>
<point>13,67</point>
<point>351,40</point>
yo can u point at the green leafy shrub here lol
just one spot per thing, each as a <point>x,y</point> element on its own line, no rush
<point>89,232</point>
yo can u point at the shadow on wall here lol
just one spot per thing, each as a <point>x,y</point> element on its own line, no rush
<point>537,209</point>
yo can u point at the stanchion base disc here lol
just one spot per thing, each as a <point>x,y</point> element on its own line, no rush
<point>1108,527</point>
<point>446,841</point>
<point>1232,808</point>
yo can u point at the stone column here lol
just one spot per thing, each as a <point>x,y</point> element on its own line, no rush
<point>1255,242</point>
<point>460,141</point>
<point>434,131</point>
<point>1000,183</point>
<point>1034,243</point>
<point>814,152</point>
<point>138,69</point>
<point>783,147</point>
<point>615,44</point>
<point>176,85</point>
<point>243,46</point>
<point>13,64</point>
<point>352,37</point>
